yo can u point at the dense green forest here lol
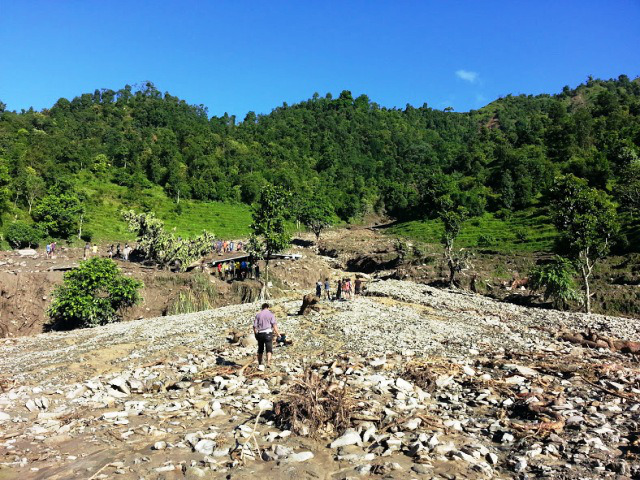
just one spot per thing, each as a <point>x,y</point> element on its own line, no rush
<point>349,152</point>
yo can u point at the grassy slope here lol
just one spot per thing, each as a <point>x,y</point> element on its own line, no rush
<point>531,224</point>
<point>187,219</point>
<point>107,200</point>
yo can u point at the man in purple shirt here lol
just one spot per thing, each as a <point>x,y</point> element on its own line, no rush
<point>264,326</point>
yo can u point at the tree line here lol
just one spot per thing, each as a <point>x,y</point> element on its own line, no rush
<point>348,154</point>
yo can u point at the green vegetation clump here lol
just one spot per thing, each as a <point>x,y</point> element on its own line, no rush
<point>95,293</point>
<point>269,228</point>
<point>21,234</point>
<point>59,214</point>
<point>162,247</point>
<point>201,295</point>
<point>587,223</point>
<point>556,278</point>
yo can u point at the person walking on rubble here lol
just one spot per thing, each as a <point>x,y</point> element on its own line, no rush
<point>327,289</point>
<point>264,326</point>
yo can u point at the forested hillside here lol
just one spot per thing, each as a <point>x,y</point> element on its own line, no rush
<point>349,152</point>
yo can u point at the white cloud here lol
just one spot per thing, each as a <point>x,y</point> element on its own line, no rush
<point>467,76</point>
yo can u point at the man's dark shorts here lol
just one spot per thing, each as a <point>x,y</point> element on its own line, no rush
<point>265,340</point>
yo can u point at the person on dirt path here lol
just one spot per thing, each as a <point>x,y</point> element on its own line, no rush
<point>85,253</point>
<point>339,290</point>
<point>94,250</point>
<point>264,326</point>
<point>220,270</point>
<point>126,252</point>
<point>319,289</point>
<point>327,289</point>
<point>358,284</point>
<point>48,250</point>
<point>110,251</point>
<point>118,252</point>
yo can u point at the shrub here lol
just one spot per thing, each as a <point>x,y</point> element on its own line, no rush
<point>486,240</point>
<point>200,296</point>
<point>21,234</point>
<point>95,293</point>
<point>557,280</point>
<point>521,234</point>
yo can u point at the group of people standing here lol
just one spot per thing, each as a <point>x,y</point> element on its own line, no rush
<point>238,270</point>
<point>345,289</point>
<point>50,249</point>
<point>228,246</point>
<point>114,251</point>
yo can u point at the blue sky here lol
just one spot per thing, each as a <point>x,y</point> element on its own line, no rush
<point>237,56</point>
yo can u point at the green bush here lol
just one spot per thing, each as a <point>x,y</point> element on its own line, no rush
<point>95,293</point>
<point>21,235</point>
<point>557,280</point>
<point>486,240</point>
<point>521,234</point>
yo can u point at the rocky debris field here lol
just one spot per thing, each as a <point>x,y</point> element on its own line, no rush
<point>406,382</point>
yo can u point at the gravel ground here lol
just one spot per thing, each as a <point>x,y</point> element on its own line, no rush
<point>499,396</point>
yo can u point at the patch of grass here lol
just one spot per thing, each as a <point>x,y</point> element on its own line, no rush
<point>526,231</point>
<point>187,219</point>
<point>200,296</point>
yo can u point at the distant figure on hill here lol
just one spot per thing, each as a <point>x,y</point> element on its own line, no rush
<point>118,252</point>
<point>110,251</point>
<point>264,326</point>
<point>94,249</point>
<point>339,290</point>
<point>327,289</point>
<point>319,289</point>
<point>85,253</point>
<point>126,252</point>
<point>48,250</point>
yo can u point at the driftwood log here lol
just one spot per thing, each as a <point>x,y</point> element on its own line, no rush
<point>592,339</point>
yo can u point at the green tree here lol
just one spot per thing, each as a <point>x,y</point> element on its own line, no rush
<point>557,280</point>
<point>163,247</point>
<point>95,293</point>
<point>21,234</point>
<point>5,180</point>
<point>586,221</point>
<point>629,188</point>
<point>34,187</point>
<point>59,214</point>
<point>452,220</point>
<point>269,233</point>
<point>316,214</point>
